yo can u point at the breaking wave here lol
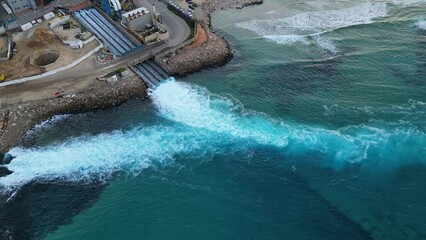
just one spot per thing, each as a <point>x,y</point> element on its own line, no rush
<point>199,124</point>
<point>195,107</point>
<point>98,157</point>
<point>421,24</point>
<point>408,2</point>
<point>412,113</point>
<point>306,27</point>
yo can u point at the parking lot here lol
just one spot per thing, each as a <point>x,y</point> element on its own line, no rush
<point>184,6</point>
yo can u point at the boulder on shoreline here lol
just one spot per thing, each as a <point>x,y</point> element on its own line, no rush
<point>213,53</point>
<point>5,158</point>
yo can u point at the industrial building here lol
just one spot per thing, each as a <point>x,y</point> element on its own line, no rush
<point>117,42</point>
<point>142,24</point>
<point>19,5</point>
<point>70,32</point>
<point>138,19</point>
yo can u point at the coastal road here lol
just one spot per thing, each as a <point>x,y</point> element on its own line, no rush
<point>178,29</point>
<point>82,74</point>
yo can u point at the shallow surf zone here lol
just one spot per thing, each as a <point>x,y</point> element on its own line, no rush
<point>199,124</point>
<point>306,27</point>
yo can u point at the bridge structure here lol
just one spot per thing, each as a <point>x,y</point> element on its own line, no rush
<point>150,72</point>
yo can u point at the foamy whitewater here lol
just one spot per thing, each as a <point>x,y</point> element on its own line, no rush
<point>306,27</point>
<point>408,2</point>
<point>421,24</point>
<point>202,123</point>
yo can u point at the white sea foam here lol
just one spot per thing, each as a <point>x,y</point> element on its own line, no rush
<point>408,2</point>
<point>300,27</point>
<point>287,39</point>
<point>421,24</point>
<point>201,123</point>
<point>195,107</point>
<point>47,124</point>
<point>97,157</point>
<point>325,43</point>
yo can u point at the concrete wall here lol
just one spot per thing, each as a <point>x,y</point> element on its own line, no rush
<point>71,43</point>
<point>61,69</point>
<point>174,48</point>
<point>56,23</point>
<point>156,37</point>
<point>9,51</point>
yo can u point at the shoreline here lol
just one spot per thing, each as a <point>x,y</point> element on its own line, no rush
<point>214,52</point>
<point>19,119</point>
<point>16,120</point>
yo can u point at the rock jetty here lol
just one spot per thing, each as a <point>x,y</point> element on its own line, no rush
<point>17,120</point>
<point>215,52</point>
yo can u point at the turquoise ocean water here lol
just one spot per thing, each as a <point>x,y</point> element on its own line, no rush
<point>315,130</point>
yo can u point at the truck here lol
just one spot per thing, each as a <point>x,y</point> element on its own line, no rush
<point>48,16</point>
<point>26,26</point>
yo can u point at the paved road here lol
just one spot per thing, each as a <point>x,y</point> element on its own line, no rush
<point>29,15</point>
<point>178,29</point>
<point>179,32</point>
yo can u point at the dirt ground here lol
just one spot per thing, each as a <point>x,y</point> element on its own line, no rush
<point>200,38</point>
<point>34,41</point>
<point>3,44</point>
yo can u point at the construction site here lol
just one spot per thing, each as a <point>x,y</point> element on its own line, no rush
<point>68,36</point>
<point>39,50</point>
<point>4,48</point>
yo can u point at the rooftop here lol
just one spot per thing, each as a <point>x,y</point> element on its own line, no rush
<point>135,13</point>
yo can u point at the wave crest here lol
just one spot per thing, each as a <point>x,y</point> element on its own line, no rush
<point>300,27</point>
<point>421,24</point>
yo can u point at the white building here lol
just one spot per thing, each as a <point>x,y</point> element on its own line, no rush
<point>19,5</point>
<point>137,19</point>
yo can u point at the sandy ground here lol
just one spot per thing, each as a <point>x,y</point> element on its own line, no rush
<point>3,44</point>
<point>31,43</point>
<point>46,88</point>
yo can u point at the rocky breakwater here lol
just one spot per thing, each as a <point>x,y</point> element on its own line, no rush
<point>212,53</point>
<point>207,49</point>
<point>209,6</point>
<point>17,120</point>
